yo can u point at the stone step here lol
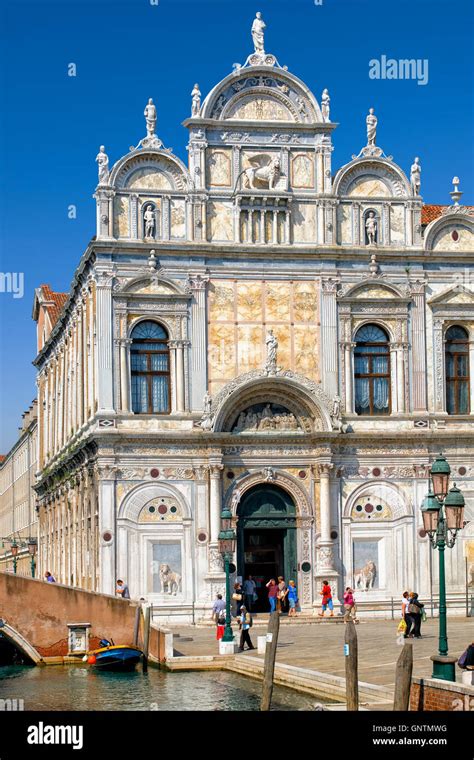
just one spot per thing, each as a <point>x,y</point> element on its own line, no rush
<point>262,620</point>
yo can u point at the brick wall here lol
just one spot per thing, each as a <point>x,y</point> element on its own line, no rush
<point>433,695</point>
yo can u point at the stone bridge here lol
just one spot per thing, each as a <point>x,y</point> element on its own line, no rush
<point>35,615</point>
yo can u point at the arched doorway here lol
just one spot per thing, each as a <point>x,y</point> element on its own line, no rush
<point>266,537</point>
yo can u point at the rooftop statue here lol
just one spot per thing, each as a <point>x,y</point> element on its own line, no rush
<point>415,176</point>
<point>150,116</point>
<point>258,27</point>
<point>196,101</point>
<point>371,122</point>
<point>103,165</point>
<point>325,101</point>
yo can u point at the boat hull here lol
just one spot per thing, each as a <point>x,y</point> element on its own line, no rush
<point>116,658</point>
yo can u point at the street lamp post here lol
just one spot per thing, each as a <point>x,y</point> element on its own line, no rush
<point>443,517</point>
<point>227,547</point>
<point>32,547</point>
<point>14,550</point>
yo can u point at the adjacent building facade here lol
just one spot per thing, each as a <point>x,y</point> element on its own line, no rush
<point>18,518</point>
<point>262,330</point>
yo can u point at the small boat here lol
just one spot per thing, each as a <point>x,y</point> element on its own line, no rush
<point>114,656</point>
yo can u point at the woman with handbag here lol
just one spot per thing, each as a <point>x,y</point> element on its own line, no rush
<point>415,612</point>
<point>237,598</point>
<point>282,592</point>
<point>292,596</point>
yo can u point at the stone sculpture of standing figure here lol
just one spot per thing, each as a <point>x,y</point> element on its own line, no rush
<point>415,177</point>
<point>371,228</point>
<point>150,116</point>
<point>371,122</point>
<point>103,165</point>
<point>196,102</point>
<point>257,33</point>
<point>207,403</point>
<point>272,347</point>
<point>149,218</point>
<point>325,101</point>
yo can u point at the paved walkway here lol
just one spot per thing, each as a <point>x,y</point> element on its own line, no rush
<point>320,646</point>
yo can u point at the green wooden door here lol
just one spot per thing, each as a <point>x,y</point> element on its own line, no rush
<point>268,507</point>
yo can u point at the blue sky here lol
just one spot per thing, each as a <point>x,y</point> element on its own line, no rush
<point>125,52</point>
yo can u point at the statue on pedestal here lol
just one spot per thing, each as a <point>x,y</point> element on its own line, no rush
<point>415,177</point>
<point>207,403</point>
<point>371,122</point>
<point>325,101</point>
<point>150,116</point>
<point>196,101</point>
<point>103,165</point>
<point>258,27</point>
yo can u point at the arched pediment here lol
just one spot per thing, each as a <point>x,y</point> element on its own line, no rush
<point>262,92</point>
<point>152,285</point>
<point>369,289</point>
<point>151,170</point>
<point>454,231</point>
<point>371,178</point>
<point>308,407</point>
<point>274,478</point>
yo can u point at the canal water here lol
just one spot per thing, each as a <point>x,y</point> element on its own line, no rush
<point>83,688</point>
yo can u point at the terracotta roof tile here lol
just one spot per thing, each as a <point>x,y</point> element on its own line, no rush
<point>430,212</point>
<point>56,303</point>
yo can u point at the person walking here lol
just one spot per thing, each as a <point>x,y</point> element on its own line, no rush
<point>349,605</point>
<point>272,594</point>
<point>292,597</point>
<point>237,598</point>
<point>49,578</point>
<point>281,596</point>
<point>249,592</point>
<point>245,623</point>
<point>122,590</point>
<point>415,611</point>
<point>217,607</point>
<point>326,600</point>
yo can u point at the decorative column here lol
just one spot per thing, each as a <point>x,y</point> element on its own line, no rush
<point>471,374</point>
<point>106,496</point>
<point>418,347</point>
<point>320,237</point>
<point>197,286</point>
<point>124,343</point>
<point>325,569</point>
<point>319,170</point>
<point>348,347</point>
<point>400,352</point>
<point>172,347</point>
<point>215,500</point>
<point>180,376</point>
<point>329,373</point>
<point>104,343</point>
<point>394,369</point>
<point>166,217</point>
<point>274,227</point>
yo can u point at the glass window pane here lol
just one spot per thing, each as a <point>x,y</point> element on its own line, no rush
<point>381,395</point>
<point>463,398</point>
<point>139,394</point>
<point>160,394</point>
<point>138,362</point>
<point>371,334</point>
<point>362,398</point>
<point>462,366</point>
<point>149,329</point>
<point>361,364</point>
<point>159,362</point>
<point>380,365</point>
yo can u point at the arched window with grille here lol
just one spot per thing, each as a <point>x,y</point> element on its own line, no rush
<point>372,371</point>
<point>457,370</point>
<point>150,369</point>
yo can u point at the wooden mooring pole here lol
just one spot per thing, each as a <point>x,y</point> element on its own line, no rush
<point>146,636</point>
<point>403,673</point>
<point>269,664</point>
<point>136,627</point>
<point>352,681</point>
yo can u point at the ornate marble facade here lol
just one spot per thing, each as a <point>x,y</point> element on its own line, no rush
<point>259,232</point>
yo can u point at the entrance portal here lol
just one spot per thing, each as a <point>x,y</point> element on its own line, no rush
<point>266,538</point>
